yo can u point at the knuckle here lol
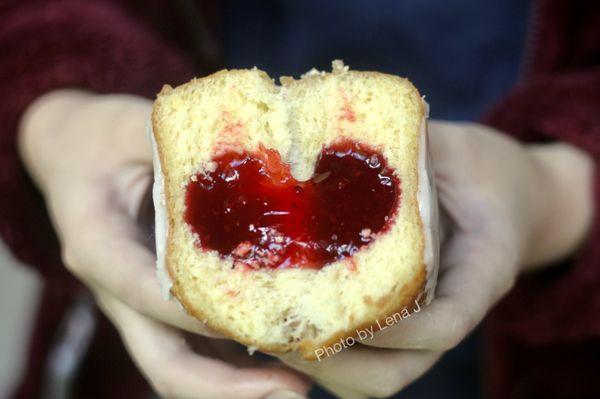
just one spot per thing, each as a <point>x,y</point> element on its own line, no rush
<point>382,390</point>
<point>70,258</point>
<point>73,249</point>
<point>162,387</point>
<point>388,383</point>
<point>456,331</point>
<point>508,285</point>
<point>134,295</point>
<point>451,340</point>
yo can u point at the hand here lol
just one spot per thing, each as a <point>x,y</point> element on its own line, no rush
<point>91,158</point>
<point>509,209</point>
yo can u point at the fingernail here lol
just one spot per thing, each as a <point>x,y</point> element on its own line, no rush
<point>284,394</point>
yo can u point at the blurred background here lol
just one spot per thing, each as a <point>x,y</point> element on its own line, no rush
<point>20,289</point>
<point>463,55</point>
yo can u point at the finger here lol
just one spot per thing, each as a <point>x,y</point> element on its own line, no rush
<point>476,272</point>
<point>111,260</point>
<point>234,353</point>
<point>371,371</point>
<point>175,371</point>
<point>477,264</point>
<point>137,144</point>
<point>108,251</point>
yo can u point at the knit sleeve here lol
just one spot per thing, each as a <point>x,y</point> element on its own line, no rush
<point>563,303</point>
<point>49,45</point>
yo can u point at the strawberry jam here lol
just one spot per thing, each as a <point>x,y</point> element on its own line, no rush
<point>252,209</point>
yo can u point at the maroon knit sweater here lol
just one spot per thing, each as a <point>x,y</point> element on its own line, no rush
<point>544,338</point>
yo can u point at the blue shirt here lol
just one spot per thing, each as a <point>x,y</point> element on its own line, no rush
<point>461,54</point>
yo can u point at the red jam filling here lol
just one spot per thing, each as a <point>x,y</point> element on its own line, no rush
<point>252,209</point>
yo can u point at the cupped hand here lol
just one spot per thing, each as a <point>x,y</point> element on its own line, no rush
<point>508,209</point>
<point>91,158</point>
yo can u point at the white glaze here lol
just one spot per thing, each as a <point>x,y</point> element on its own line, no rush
<point>428,208</point>
<point>161,231</point>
